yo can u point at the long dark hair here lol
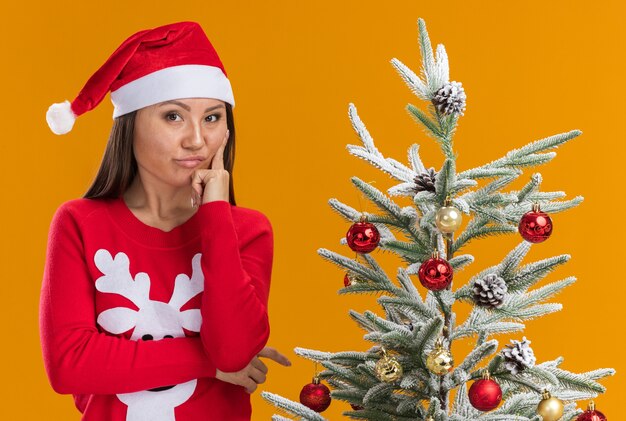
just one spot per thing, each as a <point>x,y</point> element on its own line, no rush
<point>119,166</point>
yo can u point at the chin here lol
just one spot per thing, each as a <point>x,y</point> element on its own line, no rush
<point>179,180</point>
<point>181,183</point>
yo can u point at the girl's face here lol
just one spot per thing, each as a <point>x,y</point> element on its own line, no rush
<point>174,138</point>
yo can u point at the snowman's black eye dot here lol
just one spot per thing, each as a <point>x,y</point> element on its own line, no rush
<point>147,337</point>
<point>167,336</point>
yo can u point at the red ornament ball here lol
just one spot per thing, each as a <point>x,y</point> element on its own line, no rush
<point>346,280</point>
<point>591,414</point>
<point>350,279</point>
<point>435,274</point>
<point>315,396</point>
<point>363,237</point>
<point>485,394</point>
<point>535,226</point>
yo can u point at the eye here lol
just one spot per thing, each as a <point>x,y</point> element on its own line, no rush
<point>172,116</point>
<point>213,118</point>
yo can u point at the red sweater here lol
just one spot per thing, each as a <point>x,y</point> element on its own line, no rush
<point>134,320</point>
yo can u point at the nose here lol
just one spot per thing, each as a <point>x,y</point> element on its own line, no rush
<point>194,138</point>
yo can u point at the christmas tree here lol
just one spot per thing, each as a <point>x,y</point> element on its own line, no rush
<point>410,373</point>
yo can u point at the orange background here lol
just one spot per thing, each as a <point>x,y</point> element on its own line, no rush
<point>530,69</point>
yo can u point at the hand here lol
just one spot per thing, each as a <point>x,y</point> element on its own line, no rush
<point>255,372</point>
<point>211,184</point>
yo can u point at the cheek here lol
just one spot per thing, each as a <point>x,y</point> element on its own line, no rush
<point>149,150</point>
<point>212,148</point>
<point>214,144</point>
<point>151,138</point>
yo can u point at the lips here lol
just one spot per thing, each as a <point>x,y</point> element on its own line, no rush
<point>189,163</point>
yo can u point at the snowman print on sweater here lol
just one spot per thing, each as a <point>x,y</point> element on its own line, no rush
<point>154,320</point>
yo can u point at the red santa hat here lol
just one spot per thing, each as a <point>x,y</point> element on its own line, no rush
<point>169,62</point>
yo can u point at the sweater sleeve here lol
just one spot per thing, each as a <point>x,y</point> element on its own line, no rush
<point>78,358</point>
<point>237,266</point>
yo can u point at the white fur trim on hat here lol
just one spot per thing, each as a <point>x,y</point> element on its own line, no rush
<point>60,117</point>
<point>185,81</point>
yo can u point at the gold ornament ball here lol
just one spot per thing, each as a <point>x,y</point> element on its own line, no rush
<point>550,408</point>
<point>448,219</point>
<point>439,361</point>
<point>388,369</point>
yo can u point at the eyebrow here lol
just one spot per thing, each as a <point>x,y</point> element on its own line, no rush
<point>185,106</point>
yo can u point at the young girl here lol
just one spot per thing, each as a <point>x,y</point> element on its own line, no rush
<point>155,290</point>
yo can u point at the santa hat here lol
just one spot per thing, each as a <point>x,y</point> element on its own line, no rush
<point>169,62</point>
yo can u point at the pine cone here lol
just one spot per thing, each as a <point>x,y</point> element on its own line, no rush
<point>518,356</point>
<point>490,291</point>
<point>426,181</point>
<point>450,98</point>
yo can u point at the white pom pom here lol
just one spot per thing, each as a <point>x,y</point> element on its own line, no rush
<point>60,117</point>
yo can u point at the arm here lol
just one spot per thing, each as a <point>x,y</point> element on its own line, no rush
<point>81,360</point>
<point>235,325</point>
